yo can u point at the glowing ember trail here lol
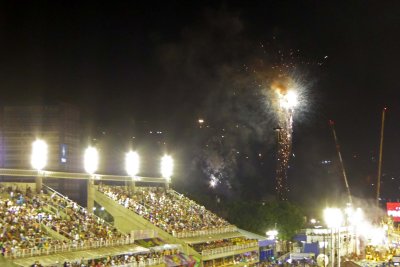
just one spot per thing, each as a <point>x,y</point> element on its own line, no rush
<point>285,104</point>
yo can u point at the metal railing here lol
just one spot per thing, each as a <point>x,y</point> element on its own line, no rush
<point>74,204</point>
<point>15,252</point>
<point>220,250</point>
<point>143,234</point>
<point>215,231</point>
<point>148,262</point>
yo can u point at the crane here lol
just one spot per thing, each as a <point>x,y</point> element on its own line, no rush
<point>332,124</point>
<point>378,183</point>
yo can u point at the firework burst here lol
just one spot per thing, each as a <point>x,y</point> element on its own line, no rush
<point>286,100</point>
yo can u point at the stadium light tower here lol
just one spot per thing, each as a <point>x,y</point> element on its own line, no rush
<point>333,219</point>
<point>39,154</point>
<point>167,166</point>
<point>91,162</point>
<point>132,163</point>
<point>91,159</point>
<point>39,161</point>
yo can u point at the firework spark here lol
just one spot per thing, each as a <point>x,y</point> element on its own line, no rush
<point>213,181</point>
<point>286,101</point>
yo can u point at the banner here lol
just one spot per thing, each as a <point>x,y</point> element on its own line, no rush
<point>393,210</point>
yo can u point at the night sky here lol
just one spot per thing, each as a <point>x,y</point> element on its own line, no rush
<point>135,67</point>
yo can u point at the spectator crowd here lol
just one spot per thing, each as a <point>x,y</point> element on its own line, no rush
<point>168,210</point>
<point>32,223</point>
<point>128,260</point>
<point>77,224</point>
<point>123,260</point>
<point>25,218</point>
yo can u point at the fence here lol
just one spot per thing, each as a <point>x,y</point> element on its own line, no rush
<point>220,230</point>
<point>15,252</point>
<point>142,263</point>
<point>149,262</point>
<point>215,251</point>
<point>143,234</point>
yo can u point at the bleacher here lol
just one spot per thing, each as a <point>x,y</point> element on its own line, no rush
<point>152,227</point>
<point>169,210</point>
<point>172,213</point>
<point>45,224</point>
<point>40,228</point>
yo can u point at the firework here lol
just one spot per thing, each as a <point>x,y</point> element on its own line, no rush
<point>213,181</point>
<point>286,101</point>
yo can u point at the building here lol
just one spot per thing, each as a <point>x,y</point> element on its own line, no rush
<point>344,241</point>
<point>58,125</point>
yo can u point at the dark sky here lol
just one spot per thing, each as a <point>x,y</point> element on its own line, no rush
<point>167,63</point>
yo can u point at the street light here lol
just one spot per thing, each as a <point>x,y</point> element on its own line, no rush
<point>333,218</point>
<point>91,160</point>
<point>39,154</point>
<point>39,160</point>
<point>167,166</point>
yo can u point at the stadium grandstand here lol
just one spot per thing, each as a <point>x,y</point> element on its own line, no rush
<point>150,226</point>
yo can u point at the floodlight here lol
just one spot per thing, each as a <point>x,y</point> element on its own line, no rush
<point>39,154</point>
<point>333,217</point>
<point>91,160</point>
<point>167,166</point>
<point>132,163</point>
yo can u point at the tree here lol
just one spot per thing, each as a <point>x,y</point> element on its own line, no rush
<point>260,217</point>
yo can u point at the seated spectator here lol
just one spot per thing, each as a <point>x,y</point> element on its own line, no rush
<point>172,212</point>
<point>22,218</point>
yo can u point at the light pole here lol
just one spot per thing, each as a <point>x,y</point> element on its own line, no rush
<point>91,162</point>
<point>132,166</point>
<point>39,161</point>
<point>333,218</point>
<point>167,167</point>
